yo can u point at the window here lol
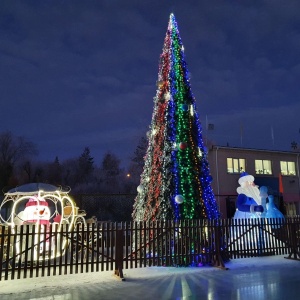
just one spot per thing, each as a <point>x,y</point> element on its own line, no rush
<point>263,167</point>
<point>236,165</point>
<point>287,168</point>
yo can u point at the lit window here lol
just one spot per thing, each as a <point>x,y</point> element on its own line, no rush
<point>263,167</point>
<point>288,168</point>
<point>236,165</point>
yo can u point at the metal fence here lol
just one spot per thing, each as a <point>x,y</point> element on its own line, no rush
<point>34,251</point>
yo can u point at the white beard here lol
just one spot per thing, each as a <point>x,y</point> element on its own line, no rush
<point>250,191</point>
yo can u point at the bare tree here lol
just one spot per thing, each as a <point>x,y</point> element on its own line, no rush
<point>12,151</point>
<point>32,171</point>
<point>26,168</point>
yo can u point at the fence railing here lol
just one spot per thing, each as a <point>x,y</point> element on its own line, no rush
<point>33,251</point>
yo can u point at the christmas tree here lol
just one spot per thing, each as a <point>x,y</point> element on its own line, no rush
<point>176,182</point>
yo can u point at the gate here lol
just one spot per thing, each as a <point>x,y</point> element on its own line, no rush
<point>262,237</point>
<point>172,243</point>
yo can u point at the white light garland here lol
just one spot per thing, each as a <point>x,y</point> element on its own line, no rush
<point>154,131</point>
<point>167,96</point>
<point>200,153</point>
<point>191,110</point>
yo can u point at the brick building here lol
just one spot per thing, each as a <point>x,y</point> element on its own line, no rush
<point>268,167</point>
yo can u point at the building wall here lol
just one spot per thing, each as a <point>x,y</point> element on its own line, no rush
<point>225,184</point>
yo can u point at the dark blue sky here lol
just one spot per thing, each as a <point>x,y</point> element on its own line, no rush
<point>83,73</point>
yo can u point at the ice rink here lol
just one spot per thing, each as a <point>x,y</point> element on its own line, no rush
<point>272,277</point>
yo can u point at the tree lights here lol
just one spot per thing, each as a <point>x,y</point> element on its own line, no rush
<point>176,179</point>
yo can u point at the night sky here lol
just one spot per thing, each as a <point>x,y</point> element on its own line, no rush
<point>76,74</point>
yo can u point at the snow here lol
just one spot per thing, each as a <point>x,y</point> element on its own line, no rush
<point>272,277</point>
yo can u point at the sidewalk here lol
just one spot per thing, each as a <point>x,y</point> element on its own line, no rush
<point>271,278</point>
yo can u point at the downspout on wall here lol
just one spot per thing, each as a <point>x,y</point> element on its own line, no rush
<point>217,175</point>
<point>298,181</point>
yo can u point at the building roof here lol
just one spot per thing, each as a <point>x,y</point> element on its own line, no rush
<point>253,149</point>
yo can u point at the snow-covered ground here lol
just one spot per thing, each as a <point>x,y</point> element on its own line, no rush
<point>271,277</point>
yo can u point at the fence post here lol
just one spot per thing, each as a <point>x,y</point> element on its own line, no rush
<point>292,232</point>
<point>119,253</point>
<point>2,250</point>
<point>217,256</point>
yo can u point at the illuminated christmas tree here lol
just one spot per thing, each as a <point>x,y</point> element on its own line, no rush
<point>176,182</point>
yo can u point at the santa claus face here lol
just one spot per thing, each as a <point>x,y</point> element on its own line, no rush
<point>250,189</point>
<point>246,184</point>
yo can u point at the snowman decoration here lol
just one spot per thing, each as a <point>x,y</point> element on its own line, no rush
<point>37,212</point>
